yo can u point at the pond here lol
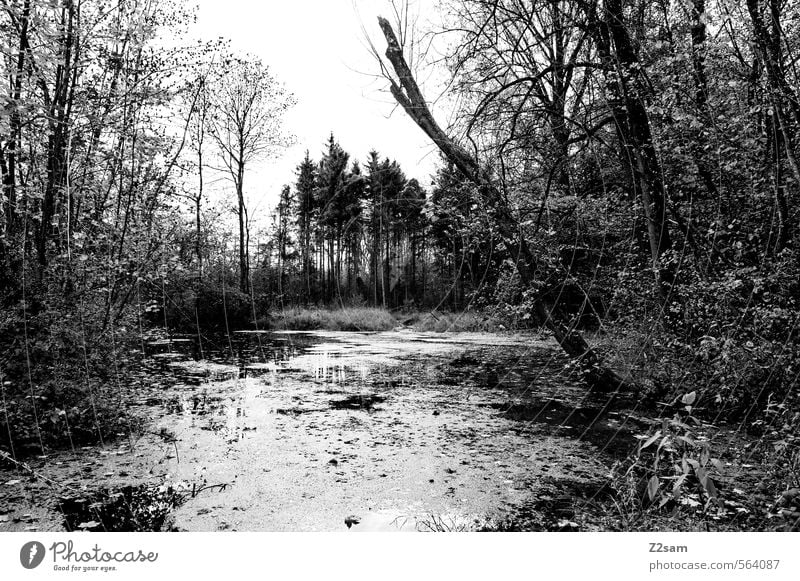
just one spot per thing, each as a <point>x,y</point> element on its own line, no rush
<point>338,431</point>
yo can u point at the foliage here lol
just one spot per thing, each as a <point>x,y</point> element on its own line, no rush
<point>62,374</point>
<point>672,466</point>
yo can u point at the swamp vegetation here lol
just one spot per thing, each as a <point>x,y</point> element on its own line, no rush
<point>586,320</point>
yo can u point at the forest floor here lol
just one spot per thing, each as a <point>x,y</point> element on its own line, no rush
<point>399,430</point>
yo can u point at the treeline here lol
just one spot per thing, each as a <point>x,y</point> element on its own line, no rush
<point>345,235</point>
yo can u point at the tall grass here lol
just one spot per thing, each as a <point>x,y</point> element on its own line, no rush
<point>457,322</point>
<point>346,319</point>
<point>377,319</point>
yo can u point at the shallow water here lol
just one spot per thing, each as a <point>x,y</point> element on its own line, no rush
<point>325,431</point>
<point>394,430</point>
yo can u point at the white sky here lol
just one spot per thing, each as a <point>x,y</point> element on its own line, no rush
<point>318,50</point>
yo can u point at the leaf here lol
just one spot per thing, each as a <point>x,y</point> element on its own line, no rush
<point>705,455</point>
<point>652,486</point>
<point>679,424</point>
<point>89,525</point>
<point>701,474</point>
<point>710,488</point>
<point>651,439</point>
<point>676,488</point>
<point>689,398</point>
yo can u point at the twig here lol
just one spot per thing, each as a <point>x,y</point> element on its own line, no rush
<point>196,491</point>
<point>29,470</point>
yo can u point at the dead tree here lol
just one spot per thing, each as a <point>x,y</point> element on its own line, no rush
<point>406,92</point>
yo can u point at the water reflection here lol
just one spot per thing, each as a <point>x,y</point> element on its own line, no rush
<point>360,422</point>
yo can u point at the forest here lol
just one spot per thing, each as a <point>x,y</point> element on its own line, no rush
<point>620,177</point>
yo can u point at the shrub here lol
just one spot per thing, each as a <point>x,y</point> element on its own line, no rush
<point>671,466</point>
<point>62,364</point>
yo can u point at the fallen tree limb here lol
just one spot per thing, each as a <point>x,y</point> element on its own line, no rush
<point>406,92</point>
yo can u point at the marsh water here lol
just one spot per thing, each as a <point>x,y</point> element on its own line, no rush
<point>387,431</point>
<point>327,431</point>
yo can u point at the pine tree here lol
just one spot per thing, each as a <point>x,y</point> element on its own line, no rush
<point>331,180</point>
<point>306,216</point>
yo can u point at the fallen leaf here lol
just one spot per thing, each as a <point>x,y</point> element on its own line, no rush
<point>652,487</point>
<point>89,525</point>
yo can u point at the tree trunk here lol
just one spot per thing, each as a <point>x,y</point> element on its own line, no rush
<point>198,223</point>
<point>244,267</point>
<point>785,105</point>
<point>633,128</point>
<point>59,116</point>
<point>699,49</point>
<point>15,122</point>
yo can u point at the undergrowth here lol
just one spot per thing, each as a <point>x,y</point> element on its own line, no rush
<point>345,319</point>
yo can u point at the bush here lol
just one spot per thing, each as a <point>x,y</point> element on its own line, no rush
<point>216,309</point>
<point>61,370</point>
<point>672,466</point>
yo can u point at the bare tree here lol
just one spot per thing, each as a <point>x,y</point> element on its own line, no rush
<point>521,64</point>
<point>198,128</point>
<point>246,124</point>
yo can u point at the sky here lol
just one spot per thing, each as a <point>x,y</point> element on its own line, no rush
<point>318,50</point>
